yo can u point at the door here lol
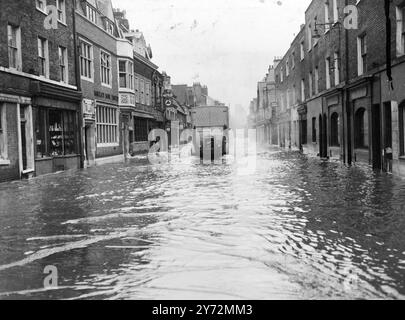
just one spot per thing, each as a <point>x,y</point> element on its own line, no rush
<point>376,136</point>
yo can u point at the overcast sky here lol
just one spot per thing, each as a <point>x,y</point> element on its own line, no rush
<point>225,44</point>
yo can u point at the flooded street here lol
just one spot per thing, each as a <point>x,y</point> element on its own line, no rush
<point>297,228</point>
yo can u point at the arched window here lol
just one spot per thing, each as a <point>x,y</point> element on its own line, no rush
<point>334,130</point>
<point>361,128</point>
<point>402,128</point>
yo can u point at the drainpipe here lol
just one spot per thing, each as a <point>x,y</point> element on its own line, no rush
<point>347,98</point>
<point>78,84</point>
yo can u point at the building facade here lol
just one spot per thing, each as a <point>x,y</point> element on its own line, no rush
<point>334,98</point>
<point>40,101</point>
<point>97,35</point>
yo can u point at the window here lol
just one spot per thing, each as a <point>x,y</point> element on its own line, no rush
<point>309,35</point>
<point>136,89</point>
<point>336,60</point>
<point>107,125</point>
<point>91,14</point>
<point>400,30</point>
<point>41,5</point>
<point>109,27</point>
<point>148,92</point>
<point>86,60</point>
<point>327,72</point>
<point>287,68</point>
<point>55,132</point>
<point>402,129</point>
<point>60,5</point>
<point>302,90</point>
<point>14,47</point>
<point>334,130</point>
<point>141,129</point>
<point>281,75</point>
<point>362,55</point>
<point>142,91</point>
<point>327,20</point>
<point>361,128</point>
<point>293,60</point>
<point>126,74</point>
<point>302,50</point>
<point>335,11</point>
<point>63,65</point>
<point>316,80</point>
<point>3,133</point>
<point>105,68</point>
<point>314,130</point>
<point>43,58</point>
<point>310,80</point>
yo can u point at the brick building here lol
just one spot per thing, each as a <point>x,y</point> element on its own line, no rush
<point>140,88</point>
<point>39,99</point>
<point>333,82</point>
<point>97,35</point>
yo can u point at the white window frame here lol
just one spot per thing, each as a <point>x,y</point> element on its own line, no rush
<point>105,69</point>
<point>129,74</point>
<point>400,35</point>
<point>61,7</point>
<point>16,47</point>
<point>336,61</point>
<point>302,90</point>
<point>107,119</point>
<point>335,11</point>
<point>89,61</point>
<point>360,54</point>
<point>39,3</point>
<point>316,80</point>
<point>43,56</point>
<point>302,51</point>
<point>327,18</point>
<point>63,64</point>
<point>91,14</point>
<point>327,73</point>
<point>310,84</point>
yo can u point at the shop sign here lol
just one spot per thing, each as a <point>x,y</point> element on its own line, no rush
<point>89,110</point>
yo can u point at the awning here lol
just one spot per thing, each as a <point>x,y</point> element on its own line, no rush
<point>142,115</point>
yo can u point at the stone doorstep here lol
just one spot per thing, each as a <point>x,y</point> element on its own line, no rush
<point>106,160</point>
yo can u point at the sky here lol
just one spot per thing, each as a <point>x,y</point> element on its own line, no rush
<point>227,45</point>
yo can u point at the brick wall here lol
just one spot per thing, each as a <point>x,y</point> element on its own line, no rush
<point>23,13</point>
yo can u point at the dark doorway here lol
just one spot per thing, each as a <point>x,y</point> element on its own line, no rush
<point>320,136</point>
<point>376,136</point>
<point>23,124</point>
<point>388,125</point>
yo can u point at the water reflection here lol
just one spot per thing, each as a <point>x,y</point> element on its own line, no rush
<point>296,228</point>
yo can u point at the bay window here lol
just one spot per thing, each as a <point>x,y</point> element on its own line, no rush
<point>126,74</point>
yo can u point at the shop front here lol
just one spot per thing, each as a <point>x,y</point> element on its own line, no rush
<point>56,130</point>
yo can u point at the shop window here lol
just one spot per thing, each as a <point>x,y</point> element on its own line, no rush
<point>314,130</point>
<point>3,133</point>
<point>141,129</point>
<point>402,129</point>
<point>55,133</point>
<point>107,125</point>
<point>334,130</point>
<point>361,129</point>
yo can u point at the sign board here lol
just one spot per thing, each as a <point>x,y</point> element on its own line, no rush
<point>89,110</point>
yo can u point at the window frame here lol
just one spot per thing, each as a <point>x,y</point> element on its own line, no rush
<point>107,121</point>
<point>43,57</point>
<point>89,61</point>
<point>15,47</point>
<point>63,67</point>
<point>105,69</point>
<point>61,11</point>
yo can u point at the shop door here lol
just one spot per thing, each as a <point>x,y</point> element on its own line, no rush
<point>376,136</point>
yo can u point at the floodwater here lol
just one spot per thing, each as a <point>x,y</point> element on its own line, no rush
<point>296,228</point>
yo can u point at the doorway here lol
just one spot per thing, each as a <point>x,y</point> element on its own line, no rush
<point>376,136</point>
